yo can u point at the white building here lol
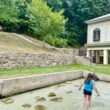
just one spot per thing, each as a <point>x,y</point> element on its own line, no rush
<point>98,39</point>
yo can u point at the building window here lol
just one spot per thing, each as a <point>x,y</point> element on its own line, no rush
<point>96,34</point>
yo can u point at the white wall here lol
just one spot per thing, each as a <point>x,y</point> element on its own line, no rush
<point>105,31</point>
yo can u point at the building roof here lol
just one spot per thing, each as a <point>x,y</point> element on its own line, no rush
<point>99,19</point>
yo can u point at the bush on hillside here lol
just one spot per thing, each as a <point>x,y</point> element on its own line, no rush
<point>56,41</point>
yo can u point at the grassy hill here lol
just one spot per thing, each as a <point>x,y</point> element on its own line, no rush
<point>11,42</point>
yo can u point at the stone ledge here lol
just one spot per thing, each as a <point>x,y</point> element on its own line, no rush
<point>22,84</point>
<point>1,87</point>
<point>101,77</point>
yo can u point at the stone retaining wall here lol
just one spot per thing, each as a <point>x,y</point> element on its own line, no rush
<point>13,86</point>
<point>71,51</point>
<point>83,60</point>
<point>18,60</point>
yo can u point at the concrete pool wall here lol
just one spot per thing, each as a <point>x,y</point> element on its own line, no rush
<point>101,77</point>
<point>13,86</point>
<point>18,85</point>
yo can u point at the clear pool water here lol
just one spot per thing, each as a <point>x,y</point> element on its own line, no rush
<point>68,97</point>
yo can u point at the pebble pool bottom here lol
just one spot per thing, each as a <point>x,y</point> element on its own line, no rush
<point>64,96</point>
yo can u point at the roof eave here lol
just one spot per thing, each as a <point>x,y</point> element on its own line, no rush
<point>97,20</point>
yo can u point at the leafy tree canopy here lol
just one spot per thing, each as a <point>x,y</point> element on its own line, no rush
<point>58,22</point>
<point>32,17</point>
<point>77,12</point>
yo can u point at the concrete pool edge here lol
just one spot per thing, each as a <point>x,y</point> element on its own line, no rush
<point>12,86</point>
<point>101,77</point>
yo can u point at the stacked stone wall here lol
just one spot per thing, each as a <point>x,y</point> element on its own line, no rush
<point>18,60</point>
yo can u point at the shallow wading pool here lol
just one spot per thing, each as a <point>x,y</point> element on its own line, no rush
<point>64,96</point>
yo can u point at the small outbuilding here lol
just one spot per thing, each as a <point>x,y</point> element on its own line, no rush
<point>98,39</point>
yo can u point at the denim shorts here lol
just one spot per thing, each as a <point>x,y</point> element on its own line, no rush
<point>87,92</point>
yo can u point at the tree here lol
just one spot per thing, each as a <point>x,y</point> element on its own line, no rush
<point>32,17</point>
<point>8,15</point>
<point>44,22</point>
<point>22,7</point>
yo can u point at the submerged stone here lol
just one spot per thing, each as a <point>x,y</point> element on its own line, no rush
<point>7,100</point>
<point>40,107</point>
<point>56,99</point>
<point>68,92</point>
<point>60,85</point>
<point>51,94</point>
<point>40,99</point>
<point>68,82</point>
<point>37,97</point>
<point>26,105</point>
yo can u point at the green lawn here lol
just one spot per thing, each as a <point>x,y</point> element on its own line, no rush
<point>6,73</point>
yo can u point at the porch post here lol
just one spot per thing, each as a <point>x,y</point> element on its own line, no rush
<point>88,54</point>
<point>105,56</point>
<point>97,57</point>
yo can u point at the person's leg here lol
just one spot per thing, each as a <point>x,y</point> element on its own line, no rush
<point>85,100</point>
<point>89,101</point>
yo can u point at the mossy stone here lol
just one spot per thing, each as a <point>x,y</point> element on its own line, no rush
<point>26,105</point>
<point>56,99</point>
<point>69,92</point>
<point>7,100</point>
<point>51,94</point>
<point>41,99</point>
<point>40,107</point>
